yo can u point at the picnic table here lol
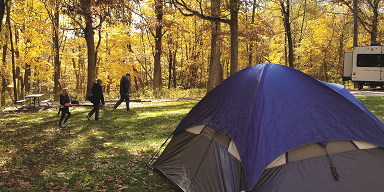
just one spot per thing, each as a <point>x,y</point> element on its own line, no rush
<point>33,98</point>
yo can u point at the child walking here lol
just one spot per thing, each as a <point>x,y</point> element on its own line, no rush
<point>65,102</point>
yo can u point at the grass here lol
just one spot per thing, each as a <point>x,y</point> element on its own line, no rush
<point>375,105</point>
<point>107,155</point>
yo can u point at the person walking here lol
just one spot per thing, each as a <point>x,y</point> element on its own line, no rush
<point>124,91</point>
<point>65,102</point>
<point>97,97</point>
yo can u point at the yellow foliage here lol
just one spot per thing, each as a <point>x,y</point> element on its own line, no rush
<point>319,38</point>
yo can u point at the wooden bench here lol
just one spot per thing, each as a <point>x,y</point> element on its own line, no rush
<point>48,102</point>
<point>21,102</point>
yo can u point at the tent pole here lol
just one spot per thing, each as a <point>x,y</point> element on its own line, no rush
<point>150,162</point>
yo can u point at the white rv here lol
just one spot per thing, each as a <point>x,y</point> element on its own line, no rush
<point>364,66</point>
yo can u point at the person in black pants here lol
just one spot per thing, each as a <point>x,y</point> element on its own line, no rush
<point>65,102</point>
<point>97,97</point>
<point>124,91</point>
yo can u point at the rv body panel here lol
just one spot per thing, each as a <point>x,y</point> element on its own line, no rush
<point>367,64</point>
<point>364,66</point>
<point>348,66</point>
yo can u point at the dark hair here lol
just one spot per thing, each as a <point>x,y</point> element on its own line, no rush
<point>128,74</point>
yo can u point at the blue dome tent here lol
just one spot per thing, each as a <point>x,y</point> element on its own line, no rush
<point>270,127</point>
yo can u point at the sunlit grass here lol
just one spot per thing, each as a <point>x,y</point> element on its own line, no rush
<point>90,155</point>
<point>374,104</point>
<point>166,93</point>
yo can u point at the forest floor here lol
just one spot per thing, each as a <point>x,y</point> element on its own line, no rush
<point>113,154</point>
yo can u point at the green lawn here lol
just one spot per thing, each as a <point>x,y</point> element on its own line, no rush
<point>107,155</point>
<point>375,105</point>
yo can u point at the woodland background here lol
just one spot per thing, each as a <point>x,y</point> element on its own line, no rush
<point>47,45</point>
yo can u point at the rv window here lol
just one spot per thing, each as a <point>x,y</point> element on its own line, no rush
<point>370,60</point>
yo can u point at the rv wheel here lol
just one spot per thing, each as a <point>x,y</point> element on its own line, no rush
<point>360,86</point>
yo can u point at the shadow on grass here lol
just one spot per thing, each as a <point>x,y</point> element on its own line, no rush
<point>109,155</point>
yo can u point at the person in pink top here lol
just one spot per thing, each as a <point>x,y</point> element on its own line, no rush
<point>65,102</point>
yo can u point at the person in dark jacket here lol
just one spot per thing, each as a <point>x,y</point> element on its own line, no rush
<point>97,98</point>
<point>124,91</point>
<point>65,102</point>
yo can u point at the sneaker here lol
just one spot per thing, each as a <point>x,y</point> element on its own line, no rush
<point>99,119</point>
<point>88,117</point>
<point>61,126</point>
<point>66,124</point>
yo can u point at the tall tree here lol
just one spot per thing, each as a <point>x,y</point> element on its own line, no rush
<point>157,80</point>
<point>87,9</point>
<point>90,39</point>
<point>54,15</point>
<point>3,72</point>
<point>2,10</point>
<point>285,10</point>
<point>367,15</point>
<point>234,25</point>
<point>215,69</point>
<point>12,51</point>
<point>250,55</point>
<point>187,10</point>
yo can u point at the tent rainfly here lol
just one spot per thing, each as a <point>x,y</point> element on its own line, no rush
<point>270,127</point>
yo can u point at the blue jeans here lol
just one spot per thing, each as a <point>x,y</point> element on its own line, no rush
<point>122,98</point>
<point>95,109</point>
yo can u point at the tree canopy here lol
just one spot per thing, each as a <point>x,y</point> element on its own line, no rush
<point>172,44</point>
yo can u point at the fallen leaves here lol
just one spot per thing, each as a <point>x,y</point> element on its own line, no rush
<point>112,156</point>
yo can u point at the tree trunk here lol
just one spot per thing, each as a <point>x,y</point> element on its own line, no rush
<point>234,24</point>
<point>97,60</point>
<point>374,21</point>
<point>141,83</point>
<point>157,80</point>
<point>341,55</point>
<point>27,74</point>
<point>4,79</point>
<point>287,25</point>
<point>20,81</point>
<point>56,52</point>
<point>325,63</point>
<point>250,55</point>
<point>77,74</point>
<point>109,85</point>
<point>215,69</point>
<point>285,50</point>
<point>2,11</point>
<point>3,76</point>
<point>174,69</point>
<point>13,54</point>
<point>325,67</point>
<point>169,68</point>
<point>90,39</point>
<point>82,74</point>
